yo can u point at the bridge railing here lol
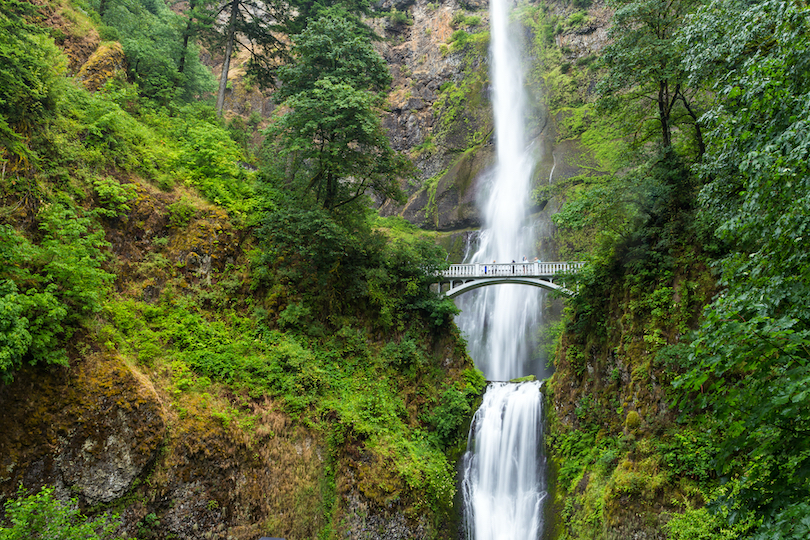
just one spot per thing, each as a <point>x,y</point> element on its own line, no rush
<point>536,269</point>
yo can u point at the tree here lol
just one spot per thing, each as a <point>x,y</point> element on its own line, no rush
<point>750,363</point>
<point>198,19</point>
<point>158,45</point>
<point>331,133</point>
<point>644,67</point>
<point>254,25</point>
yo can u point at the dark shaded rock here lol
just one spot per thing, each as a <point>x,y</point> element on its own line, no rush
<point>451,205</point>
<point>90,431</point>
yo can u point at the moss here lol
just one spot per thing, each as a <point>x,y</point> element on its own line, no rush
<point>105,64</point>
<point>632,421</point>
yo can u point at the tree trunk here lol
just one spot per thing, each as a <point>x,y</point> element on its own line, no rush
<point>186,36</point>
<point>698,131</point>
<point>663,113</point>
<point>226,64</point>
<point>331,191</point>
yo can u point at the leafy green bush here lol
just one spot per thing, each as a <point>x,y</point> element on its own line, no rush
<point>42,515</point>
<point>400,17</point>
<point>180,213</point>
<point>30,65</point>
<point>113,196</point>
<point>48,289</point>
<point>150,34</point>
<point>454,410</point>
<point>461,19</point>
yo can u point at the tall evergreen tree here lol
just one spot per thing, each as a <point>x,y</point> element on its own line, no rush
<point>331,132</point>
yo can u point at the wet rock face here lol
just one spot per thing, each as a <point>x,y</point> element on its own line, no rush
<point>443,136</point>
<point>91,431</point>
<point>366,523</point>
<point>421,65</point>
<point>101,463</point>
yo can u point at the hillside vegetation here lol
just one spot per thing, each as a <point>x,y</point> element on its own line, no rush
<point>205,337</point>
<point>680,405</point>
<point>206,332</point>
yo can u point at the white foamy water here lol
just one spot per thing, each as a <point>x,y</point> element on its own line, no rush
<point>503,484</point>
<point>498,321</point>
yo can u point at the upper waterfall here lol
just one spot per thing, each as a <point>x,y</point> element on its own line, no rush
<point>499,321</point>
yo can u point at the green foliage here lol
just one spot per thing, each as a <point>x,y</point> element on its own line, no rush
<point>43,516</point>
<point>48,288</point>
<point>463,112</point>
<point>30,64</point>
<point>749,361</point>
<point>180,213</point>
<point>400,17</point>
<point>451,417</point>
<point>331,136</point>
<point>462,19</point>
<point>335,263</point>
<point>577,19</point>
<point>461,41</point>
<point>690,452</point>
<point>645,80</point>
<point>341,325</point>
<point>152,40</point>
<point>113,196</point>
<point>701,524</point>
<point>335,380</point>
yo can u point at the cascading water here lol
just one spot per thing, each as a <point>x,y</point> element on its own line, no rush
<point>503,486</point>
<point>498,320</point>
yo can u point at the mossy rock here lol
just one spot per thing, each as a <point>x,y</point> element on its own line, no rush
<point>102,66</point>
<point>632,421</point>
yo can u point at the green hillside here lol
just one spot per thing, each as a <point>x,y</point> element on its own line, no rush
<point>222,333</point>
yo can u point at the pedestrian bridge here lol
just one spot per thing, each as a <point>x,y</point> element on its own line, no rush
<point>466,277</point>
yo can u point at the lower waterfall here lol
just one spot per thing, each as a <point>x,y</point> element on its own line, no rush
<point>502,487</point>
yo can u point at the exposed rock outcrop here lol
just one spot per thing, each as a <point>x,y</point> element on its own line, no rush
<point>90,431</point>
<point>105,63</point>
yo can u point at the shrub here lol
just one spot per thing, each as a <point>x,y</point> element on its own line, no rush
<point>48,289</point>
<point>42,515</point>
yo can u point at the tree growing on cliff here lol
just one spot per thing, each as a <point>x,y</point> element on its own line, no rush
<point>253,25</point>
<point>330,136</point>
<point>645,77</point>
<point>259,26</point>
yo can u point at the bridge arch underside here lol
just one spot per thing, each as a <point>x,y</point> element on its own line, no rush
<point>472,284</point>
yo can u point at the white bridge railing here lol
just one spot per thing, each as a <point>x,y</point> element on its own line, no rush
<point>505,270</point>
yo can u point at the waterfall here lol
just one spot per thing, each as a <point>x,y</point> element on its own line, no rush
<point>503,485</point>
<point>498,321</point>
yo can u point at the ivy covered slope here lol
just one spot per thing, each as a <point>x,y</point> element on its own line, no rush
<point>204,349</point>
<point>680,406</point>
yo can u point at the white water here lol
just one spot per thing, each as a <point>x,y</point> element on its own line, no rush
<point>498,321</point>
<point>503,486</point>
